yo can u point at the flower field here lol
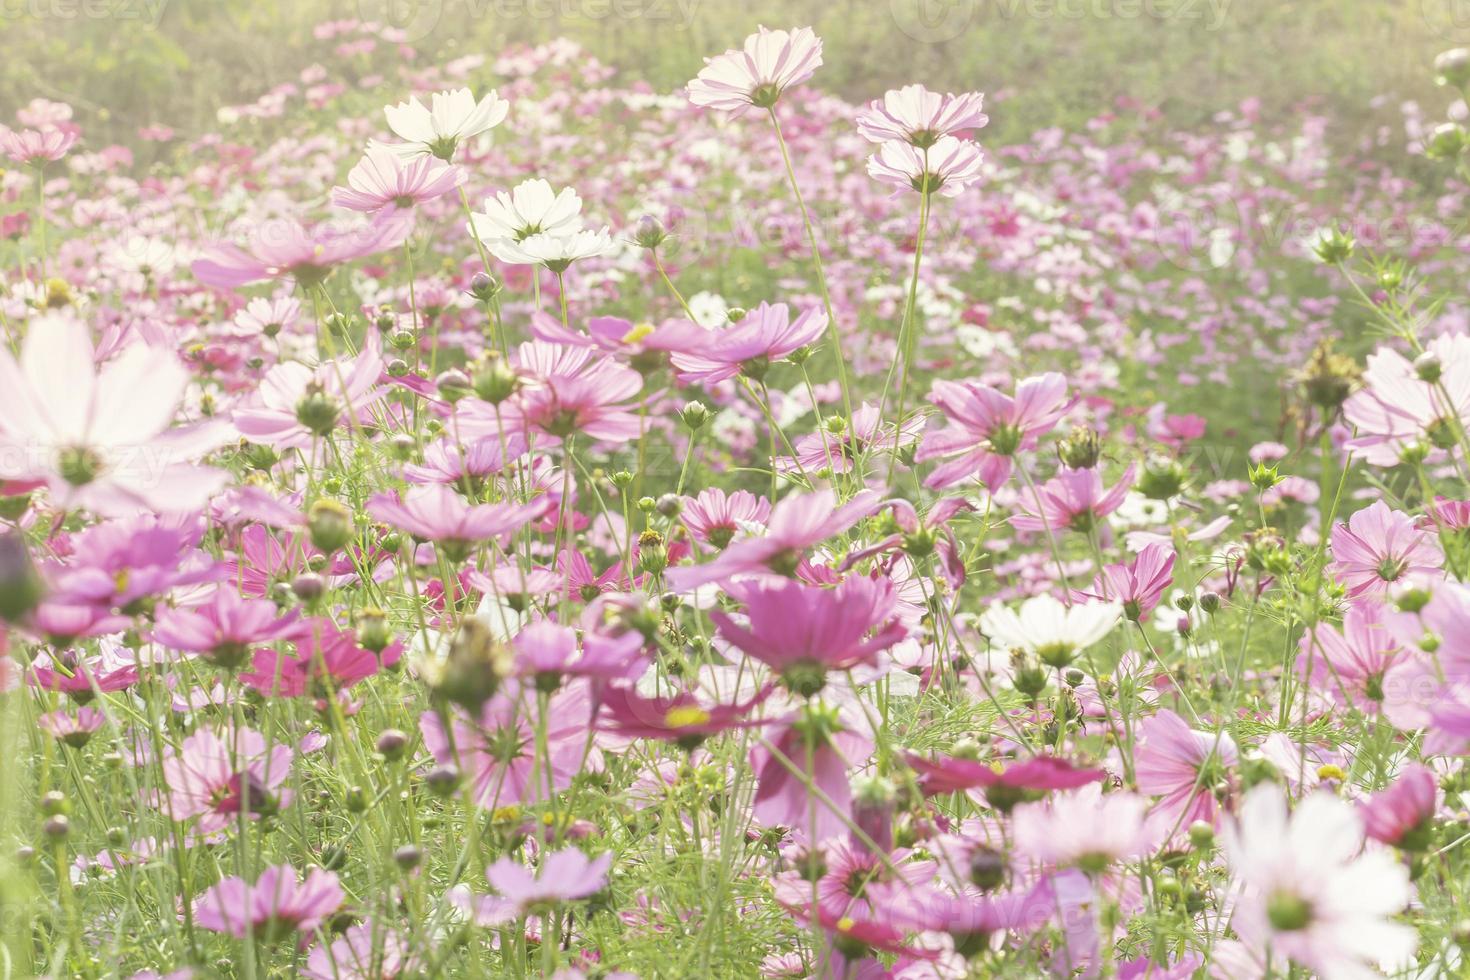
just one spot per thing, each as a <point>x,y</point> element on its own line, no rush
<point>553,525</point>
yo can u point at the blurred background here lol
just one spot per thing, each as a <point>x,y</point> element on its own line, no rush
<point>126,64</point>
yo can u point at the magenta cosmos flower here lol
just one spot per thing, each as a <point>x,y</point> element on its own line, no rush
<point>988,427</point>
<point>756,75</point>
<point>81,677</point>
<point>1138,585</point>
<point>1350,665</point>
<point>434,512</point>
<point>284,248</point>
<point>383,180</point>
<point>278,905</point>
<point>1072,499</point>
<point>214,781</point>
<point>99,438</point>
<point>1309,891</point>
<point>946,168</point>
<point>919,117</point>
<point>1379,546</point>
<point>796,523</point>
<point>765,334</point>
<point>1191,770</point>
<point>802,631</point>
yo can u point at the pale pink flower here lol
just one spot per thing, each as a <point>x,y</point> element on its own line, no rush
<point>1084,827</point>
<point>37,147</point>
<point>945,168</point>
<point>1188,768</point>
<point>284,248</point>
<point>272,909</point>
<point>383,180</point>
<point>915,115</point>
<point>100,437</point>
<point>1396,410</point>
<point>765,334</point>
<point>1074,499</point>
<point>1379,546</point>
<point>297,405</point>
<point>988,427</point>
<point>769,63</point>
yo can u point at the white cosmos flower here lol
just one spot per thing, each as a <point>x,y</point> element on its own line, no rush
<point>450,118</point>
<point>1311,892</point>
<point>556,252</point>
<point>531,208</point>
<point>1056,633</point>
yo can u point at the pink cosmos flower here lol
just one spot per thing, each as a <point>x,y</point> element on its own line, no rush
<point>1084,827</point>
<point>564,876</point>
<point>802,631</point>
<point>497,752</point>
<point>1351,665</point>
<point>715,517</point>
<point>817,744</point>
<point>1379,546</point>
<point>1189,769</point>
<point>858,884</point>
<point>644,347</point>
<point>748,347</point>
<point>76,729</point>
<point>467,467</point>
<point>81,677</point>
<point>918,538</point>
<point>1400,815</point>
<point>1308,892</point>
<point>383,180</point>
<point>822,450</point>
<point>1004,785</point>
<point>769,63</point>
<point>122,563</point>
<point>100,438</point>
<point>204,781</point>
<point>224,628</point>
<point>326,662</point>
<point>298,405</point>
<point>278,905</point>
<point>1138,585</point>
<point>546,653</point>
<point>590,400</point>
<point>946,167</point>
<point>283,248</point>
<point>37,147</point>
<point>683,718</point>
<point>1072,499</point>
<point>987,428</point>
<point>796,523</point>
<point>434,512</point>
<point>1396,411</point>
<point>367,951</point>
<point>919,117</point>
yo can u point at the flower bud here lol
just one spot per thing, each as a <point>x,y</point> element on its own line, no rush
<point>1428,367</point>
<point>453,385</point>
<point>1334,246</point>
<point>21,588</point>
<point>495,380</point>
<point>56,827</point>
<point>1446,141</point>
<point>308,587</point>
<point>317,410</point>
<point>372,629</point>
<point>649,232</point>
<point>408,857</point>
<point>392,743</point>
<point>1452,67</point>
<point>1081,450</point>
<point>695,415</point>
<point>329,523</point>
<point>484,287</point>
<point>443,780</point>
